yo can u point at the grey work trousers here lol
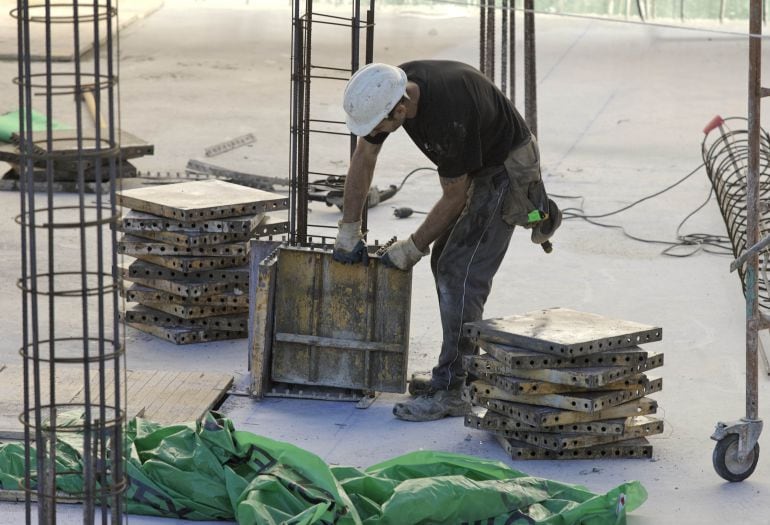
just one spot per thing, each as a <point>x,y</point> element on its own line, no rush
<point>464,260</point>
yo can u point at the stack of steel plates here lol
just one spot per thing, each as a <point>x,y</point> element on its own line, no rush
<point>561,384</point>
<point>191,244</point>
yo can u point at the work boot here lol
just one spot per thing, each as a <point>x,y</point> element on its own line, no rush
<point>433,405</point>
<point>420,384</point>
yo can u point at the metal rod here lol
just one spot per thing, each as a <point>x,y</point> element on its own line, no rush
<point>483,36</point>
<point>504,47</point>
<point>530,67</point>
<point>512,54</point>
<point>752,203</point>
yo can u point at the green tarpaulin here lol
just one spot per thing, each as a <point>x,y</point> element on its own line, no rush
<point>212,471</point>
<point>9,124</point>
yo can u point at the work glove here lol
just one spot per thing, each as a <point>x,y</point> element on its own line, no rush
<point>543,230</point>
<point>403,254</point>
<point>349,246</point>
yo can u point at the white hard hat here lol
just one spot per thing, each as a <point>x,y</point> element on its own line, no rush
<point>372,92</point>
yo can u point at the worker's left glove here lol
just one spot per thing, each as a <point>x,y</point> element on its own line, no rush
<point>403,254</point>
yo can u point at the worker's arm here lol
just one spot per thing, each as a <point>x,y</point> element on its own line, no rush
<point>406,253</point>
<point>349,246</point>
<point>444,212</point>
<point>359,179</point>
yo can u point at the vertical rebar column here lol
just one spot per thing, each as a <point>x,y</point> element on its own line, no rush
<point>504,44</point>
<point>483,36</point>
<point>530,73</point>
<point>69,259</point>
<point>490,52</point>
<point>512,53</point>
<point>752,205</point>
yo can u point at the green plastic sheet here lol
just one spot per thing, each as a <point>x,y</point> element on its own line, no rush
<point>9,124</point>
<point>211,471</point>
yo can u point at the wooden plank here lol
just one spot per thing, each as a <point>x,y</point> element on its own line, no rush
<point>169,396</point>
<point>563,332</point>
<point>199,200</point>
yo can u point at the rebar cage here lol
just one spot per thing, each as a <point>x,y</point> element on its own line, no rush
<point>68,255</point>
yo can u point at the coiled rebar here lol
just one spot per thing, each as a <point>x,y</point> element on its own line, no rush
<point>725,154</point>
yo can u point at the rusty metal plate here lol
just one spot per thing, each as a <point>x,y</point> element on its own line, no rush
<point>580,378</point>
<point>149,316</point>
<point>484,419</point>
<point>193,264</point>
<point>264,267</point>
<point>339,325</point>
<point>135,221</point>
<point>638,448</point>
<point>563,332</point>
<point>188,284</point>
<point>592,401</point>
<point>187,335</point>
<point>517,358</point>
<point>541,417</point>
<point>198,311</point>
<point>135,246</point>
<point>202,200</point>
<point>631,429</point>
<point>136,293</point>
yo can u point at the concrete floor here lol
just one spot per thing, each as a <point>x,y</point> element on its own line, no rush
<point>621,108</point>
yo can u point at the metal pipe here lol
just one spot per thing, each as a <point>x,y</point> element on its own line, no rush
<point>483,36</point>
<point>504,44</point>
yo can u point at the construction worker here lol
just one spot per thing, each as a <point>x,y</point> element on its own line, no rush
<point>489,171</point>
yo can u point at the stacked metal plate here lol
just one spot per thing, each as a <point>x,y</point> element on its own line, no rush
<point>191,244</point>
<point>562,384</point>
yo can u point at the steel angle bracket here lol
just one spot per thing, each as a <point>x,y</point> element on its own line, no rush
<point>563,332</point>
<point>638,448</point>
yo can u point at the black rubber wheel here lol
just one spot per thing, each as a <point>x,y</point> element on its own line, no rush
<point>725,458</point>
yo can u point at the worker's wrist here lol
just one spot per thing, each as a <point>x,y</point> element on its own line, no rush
<point>421,247</point>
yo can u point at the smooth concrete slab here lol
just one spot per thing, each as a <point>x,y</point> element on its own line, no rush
<point>621,108</point>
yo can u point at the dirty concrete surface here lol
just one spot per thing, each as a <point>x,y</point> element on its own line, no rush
<point>621,108</point>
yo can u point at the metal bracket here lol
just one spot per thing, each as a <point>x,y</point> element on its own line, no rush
<point>748,431</point>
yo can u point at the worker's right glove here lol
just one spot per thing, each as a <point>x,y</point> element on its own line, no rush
<point>349,247</point>
<point>403,254</point>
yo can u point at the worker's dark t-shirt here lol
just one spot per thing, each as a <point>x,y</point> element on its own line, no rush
<point>464,123</point>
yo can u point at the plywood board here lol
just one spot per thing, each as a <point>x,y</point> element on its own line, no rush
<point>563,332</point>
<point>200,200</point>
<point>164,397</point>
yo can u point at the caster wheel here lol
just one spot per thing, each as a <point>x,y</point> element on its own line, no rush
<point>725,458</point>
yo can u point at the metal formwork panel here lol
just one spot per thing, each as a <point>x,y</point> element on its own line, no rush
<point>192,264</point>
<point>484,419</point>
<point>202,200</point>
<point>149,316</point>
<point>268,226</point>
<point>517,358</point>
<point>136,246</point>
<point>187,284</point>
<point>339,325</point>
<point>136,221</point>
<point>142,294</point>
<point>633,448</point>
<point>196,312</point>
<point>551,380</point>
<point>563,332</point>
<point>187,335</point>
<point>542,417</point>
<point>631,429</point>
<point>591,401</point>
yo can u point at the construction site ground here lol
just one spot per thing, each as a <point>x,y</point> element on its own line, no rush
<point>621,108</point>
